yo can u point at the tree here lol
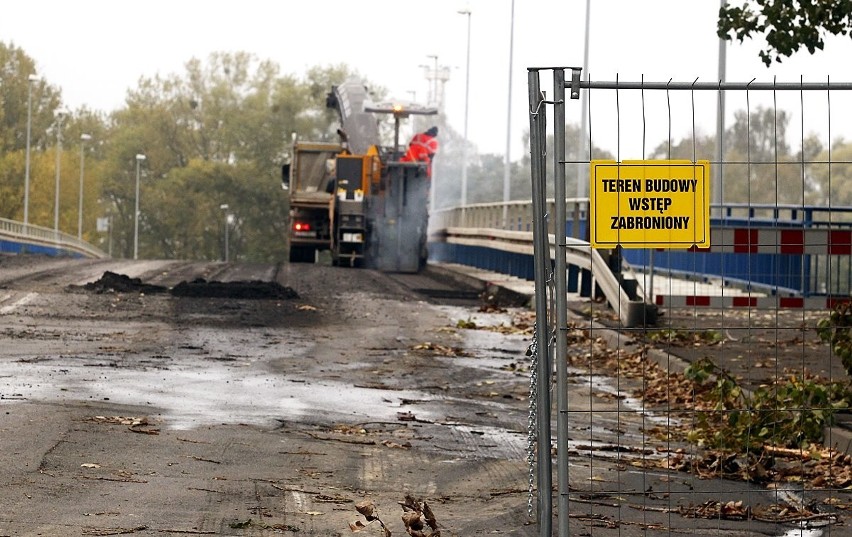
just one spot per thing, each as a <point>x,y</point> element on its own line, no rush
<point>572,171</point>
<point>787,25</point>
<point>12,185</point>
<point>832,187</point>
<point>216,134</point>
<point>15,69</point>
<point>20,100</point>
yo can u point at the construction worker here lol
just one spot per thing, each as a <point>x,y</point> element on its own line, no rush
<point>422,148</point>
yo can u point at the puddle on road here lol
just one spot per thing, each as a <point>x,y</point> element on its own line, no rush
<point>458,313</point>
<point>213,376</point>
<point>209,376</point>
<point>611,425</point>
<point>209,393</point>
<point>490,349</point>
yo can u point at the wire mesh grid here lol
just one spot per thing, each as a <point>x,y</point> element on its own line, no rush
<point>720,415</point>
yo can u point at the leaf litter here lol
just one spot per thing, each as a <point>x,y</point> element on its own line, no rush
<point>417,518</point>
<point>814,466</point>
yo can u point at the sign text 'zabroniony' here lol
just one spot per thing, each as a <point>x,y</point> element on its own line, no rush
<point>650,204</point>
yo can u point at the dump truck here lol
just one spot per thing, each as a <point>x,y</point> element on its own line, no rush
<point>354,197</point>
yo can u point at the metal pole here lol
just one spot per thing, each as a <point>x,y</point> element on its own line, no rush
<point>583,155</point>
<point>227,225</point>
<point>541,256</point>
<point>466,104</point>
<point>716,190</point>
<point>83,139</point>
<point>58,164</point>
<point>561,354</point>
<point>139,159</point>
<point>30,80</point>
<point>433,187</point>
<point>507,164</point>
<point>225,208</point>
<point>433,78</point>
<point>396,151</point>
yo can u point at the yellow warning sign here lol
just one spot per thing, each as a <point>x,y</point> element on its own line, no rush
<point>650,204</point>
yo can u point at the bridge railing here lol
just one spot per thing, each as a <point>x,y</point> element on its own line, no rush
<point>17,237</point>
<point>790,250</point>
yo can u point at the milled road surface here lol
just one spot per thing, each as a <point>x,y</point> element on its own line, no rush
<point>146,413</point>
<point>149,414</point>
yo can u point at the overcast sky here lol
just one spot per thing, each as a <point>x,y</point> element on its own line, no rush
<point>94,50</point>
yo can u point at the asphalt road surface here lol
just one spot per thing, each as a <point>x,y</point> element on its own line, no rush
<point>250,409</point>
<point>148,414</point>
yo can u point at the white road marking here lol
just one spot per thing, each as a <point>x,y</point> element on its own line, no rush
<point>26,299</point>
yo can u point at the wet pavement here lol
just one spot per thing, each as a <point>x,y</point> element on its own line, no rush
<point>149,413</point>
<point>248,411</point>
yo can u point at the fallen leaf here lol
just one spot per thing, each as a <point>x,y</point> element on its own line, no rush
<point>357,526</point>
<point>366,508</point>
<point>391,444</point>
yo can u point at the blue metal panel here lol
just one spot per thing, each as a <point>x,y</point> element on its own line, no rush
<point>770,270</point>
<point>12,247</point>
<point>513,264</point>
<point>767,271</point>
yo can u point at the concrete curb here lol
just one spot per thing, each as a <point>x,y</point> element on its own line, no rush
<point>503,289</point>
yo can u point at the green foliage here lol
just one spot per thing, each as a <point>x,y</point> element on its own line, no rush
<point>792,412</point>
<point>17,94</point>
<point>787,26</point>
<point>215,135</point>
<point>11,186</point>
<point>835,330</point>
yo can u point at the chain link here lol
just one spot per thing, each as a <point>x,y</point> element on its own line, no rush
<point>532,352</point>
<point>532,424</point>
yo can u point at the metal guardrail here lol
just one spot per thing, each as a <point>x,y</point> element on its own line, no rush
<point>512,215</point>
<point>816,267</point>
<point>517,215</point>
<point>580,254</point>
<point>36,239</point>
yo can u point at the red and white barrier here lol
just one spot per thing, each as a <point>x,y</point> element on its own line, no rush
<point>745,301</point>
<point>779,241</point>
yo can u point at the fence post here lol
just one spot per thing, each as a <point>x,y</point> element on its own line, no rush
<point>541,248</point>
<point>561,354</point>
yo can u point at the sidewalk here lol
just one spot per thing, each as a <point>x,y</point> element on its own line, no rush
<point>757,344</point>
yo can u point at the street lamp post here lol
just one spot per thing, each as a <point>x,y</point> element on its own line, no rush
<point>224,207</point>
<point>139,158</point>
<point>507,163</point>
<point>60,114</point>
<point>30,80</point>
<point>467,12</point>
<point>83,139</point>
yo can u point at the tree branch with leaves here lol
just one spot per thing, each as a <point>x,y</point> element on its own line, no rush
<point>787,25</point>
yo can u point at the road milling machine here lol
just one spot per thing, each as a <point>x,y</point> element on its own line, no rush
<point>355,197</point>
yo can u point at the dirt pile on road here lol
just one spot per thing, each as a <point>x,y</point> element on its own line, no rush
<point>111,282</point>
<point>240,289</point>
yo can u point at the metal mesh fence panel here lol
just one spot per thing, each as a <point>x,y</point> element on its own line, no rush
<point>720,405</point>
